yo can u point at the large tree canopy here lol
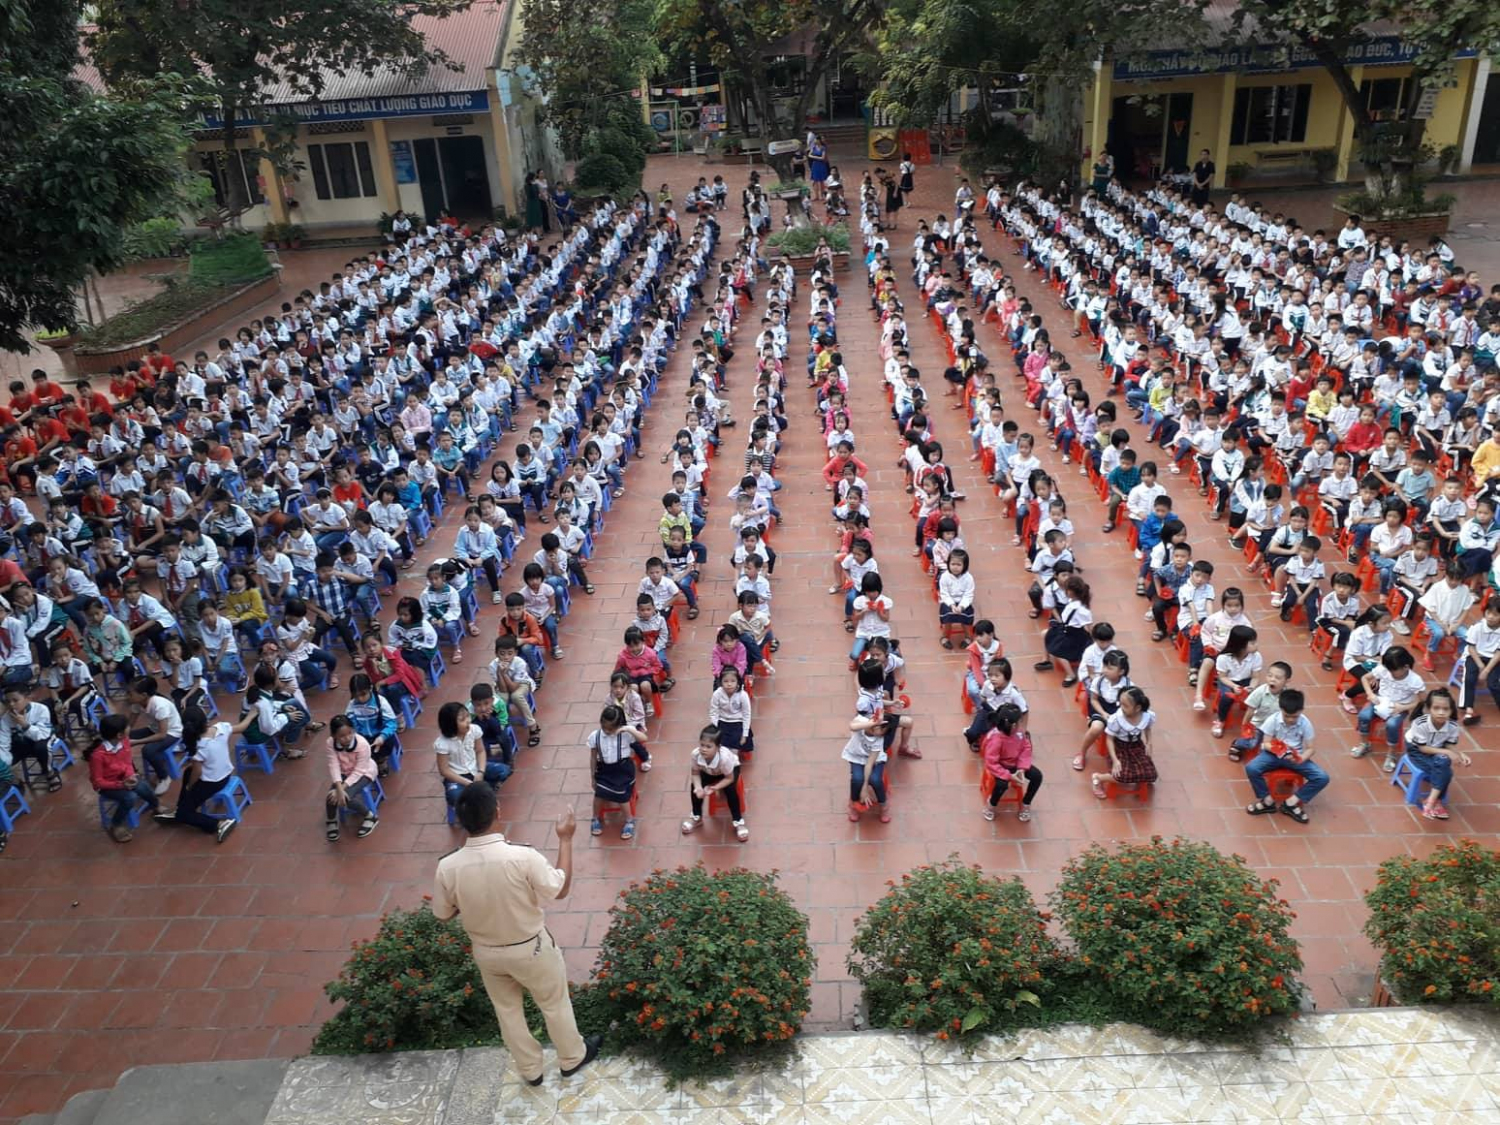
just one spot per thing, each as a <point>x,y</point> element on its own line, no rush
<point>585,58</point>
<point>739,37</point>
<point>1437,32</point>
<point>76,169</point>
<point>928,50</point>
<point>242,48</point>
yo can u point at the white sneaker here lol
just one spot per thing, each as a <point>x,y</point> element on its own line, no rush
<point>163,785</point>
<point>497,598</point>
<point>989,812</point>
<point>691,825</point>
<point>1275,601</point>
<point>741,831</point>
<point>1148,616</point>
<point>1139,554</point>
<point>1399,626</point>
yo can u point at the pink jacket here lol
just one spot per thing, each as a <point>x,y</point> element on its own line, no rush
<point>1006,754</point>
<point>349,766</point>
<point>735,659</point>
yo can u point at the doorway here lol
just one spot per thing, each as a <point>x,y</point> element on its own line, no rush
<point>846,91</point>
<point>451,172</point>
<point>1151,134</point>
<point>1487,136</point>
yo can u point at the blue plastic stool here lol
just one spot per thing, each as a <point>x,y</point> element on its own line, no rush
<point>253,755</point>
<point>133,806</point>
<point>1414,781</point>
<point>411,707</point>
<point>393,760</point>
<point>368,800</point>
<point>231,801</point>
<point>174,767</point>
<point>471,602</point>
<point>12,804</point>
<point>236,679</point>
<point>436,669</point>
<point>209,705</point>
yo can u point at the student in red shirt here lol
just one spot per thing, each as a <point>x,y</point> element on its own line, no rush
<point>22,402</point>
<point>91,400</point>
<point>20,454</point>
<point>122,384</point>
<point>1364,437</point>
<point>73,416</point>
<point>43,389</point>
<point>49,432</point>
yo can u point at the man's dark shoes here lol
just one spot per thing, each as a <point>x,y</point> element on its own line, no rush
<point>591,1047</point>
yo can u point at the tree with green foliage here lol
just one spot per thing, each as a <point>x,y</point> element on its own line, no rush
<point>584,59</point>
<point>76,168</point>
<point>928,50</point>
<point>738,37</point>
<point>242,49</point>
<point>1328,29</point>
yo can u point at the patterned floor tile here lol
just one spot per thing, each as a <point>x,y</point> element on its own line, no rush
<point>870,1083</point>
<point>913,1112</point>
<point>737,1089</point>
<point>834,1052</point>
<point>1008,1084</point>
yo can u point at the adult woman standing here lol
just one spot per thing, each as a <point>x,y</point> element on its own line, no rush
<point>1203,178</point>
<point>535,209</point>
<point>1104,171</point>
<point>817,164</point>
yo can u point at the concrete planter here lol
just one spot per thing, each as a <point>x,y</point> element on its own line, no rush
<point>803,263</point>
<point>1416,228</point>
<point>174,337</point>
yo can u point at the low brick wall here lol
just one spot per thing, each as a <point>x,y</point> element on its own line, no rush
<point>184,333</point>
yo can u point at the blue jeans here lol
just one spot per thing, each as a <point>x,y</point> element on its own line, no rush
<point>1437,635</point>
<point>1393,725</point>
<point>1438,769</point>
<point>495,772</point>
<point>124,798</point>
<point>857,781</point>
<point>1264,762</point>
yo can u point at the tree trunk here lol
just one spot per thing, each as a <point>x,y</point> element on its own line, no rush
<point>1059,121</point>
<point>233,181</point>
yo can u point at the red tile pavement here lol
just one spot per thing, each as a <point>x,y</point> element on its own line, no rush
<point>171,949</point>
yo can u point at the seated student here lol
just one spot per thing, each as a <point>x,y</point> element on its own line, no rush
<point>373,717</point>
<point>1445,605</point>
<point>1432,745</point>
<point>162,729</point>
<point>1394,690</point>
<point>113,775</point>
<point>1285,738</point>
<point>492,715</point>
<point>209,768</point>
<point>1339,613</point>
<point>413,635</point>
<point>1007,757</point>
<point>1298,582</point>
<point>613,748</point>
<point>26,730</point>
<point>643,666</point>
<point>541,601</point>
<point>715,768</point>
<point>1236,666</point>
<point>1105,682</point>
<point>1281,545</point>
<point>531,641</point>
<point>145,617</point>
<point>514,685</point>
<point>753,622</point>
<point>394,678</point>
<point>997,690</point>
<point>461,754</point>
<point>1480,661</point>
<point>1260,705</point>
<point>1055,550</point>
<point>1127,736</point>
<point>1169,581</point>
<point>353,771</point>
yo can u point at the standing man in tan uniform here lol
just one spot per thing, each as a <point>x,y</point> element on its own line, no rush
<point>498,888</point>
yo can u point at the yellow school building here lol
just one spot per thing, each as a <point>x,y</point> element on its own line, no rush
<point>1275,110</point>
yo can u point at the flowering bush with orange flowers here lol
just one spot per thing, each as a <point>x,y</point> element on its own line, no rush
<point>412,987</point>
<point>702,968</point>
<point>1436,922</point>
<point>1180,937</point>
<point>951,950</point>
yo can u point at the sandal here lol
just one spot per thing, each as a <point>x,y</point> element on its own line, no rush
<point>1099,791</point>
<point>1078,762</point>
<point>885,816</point>
<point>1069,681</point>
<point>458,656</point>
<point>849,626</point>
<point>1234,755</point>
<point>1158,635</point>
<point>627,832</point>
<point>1033,613</point>
<point>473,629</point>
<point>1296,812</point>
<point>668,684</point>
<point>54,782</point>
<point>1217,730</point>
<point>588,587</point>
<point>692,613</point>
<point>1024,815</point>
<point>1193,682</point>
<point>332,831</point>
<point>1437,812</point>
<point>1327,665</point>
<point>1260,808</point>
<point>596,827</point>
<point>534,736</point>
<point>947,642</point>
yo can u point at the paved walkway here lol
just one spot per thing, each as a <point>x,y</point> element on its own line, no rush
<point>172,950</point>
<point>1391,1066</point>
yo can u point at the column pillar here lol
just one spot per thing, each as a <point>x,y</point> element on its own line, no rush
<point>1098,104</point>
<point>1473,111</point>
<point>384,166</point>
<point>275,197</point>
<point>1347,155</point>
<point>1226,122</point>
<point>506,180</point>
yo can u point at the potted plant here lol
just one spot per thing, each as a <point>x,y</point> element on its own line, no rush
<point>272,235</point>
<point>1325,162</point>
<point>294,234</point>
<point>1448,159</point>
<point>1436,923</point>
<point>1237,173</point>
<point>800,244</point>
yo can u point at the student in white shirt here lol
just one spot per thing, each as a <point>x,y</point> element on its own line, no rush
<point>1394,690</point>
